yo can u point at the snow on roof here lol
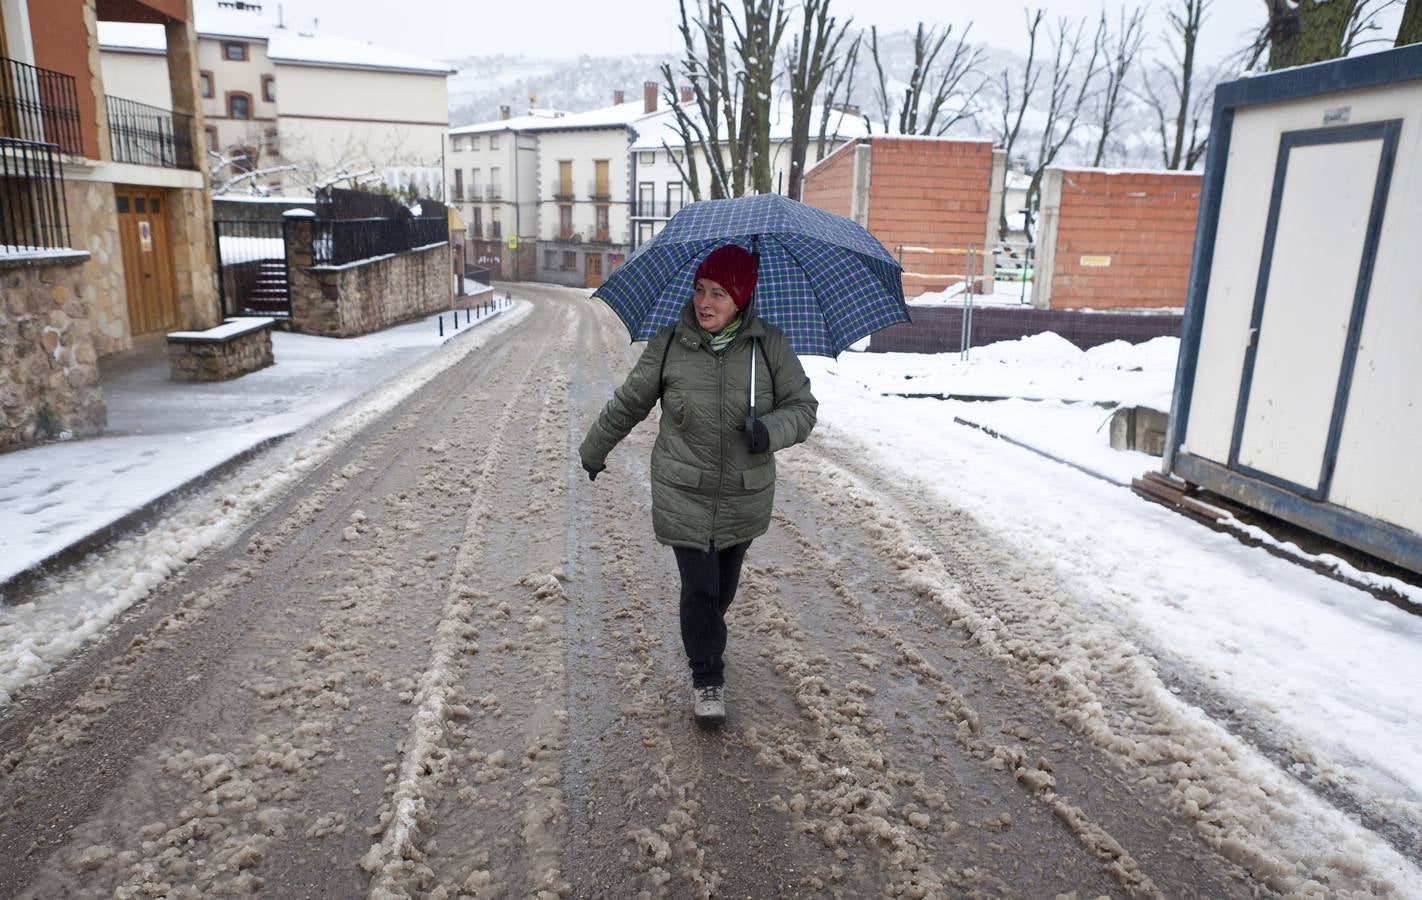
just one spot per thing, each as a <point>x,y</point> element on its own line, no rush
<point>516,123</point>
<point>618,115</point>
<point>661,125</point>
<point>307,48</point>
<point>284,45</point>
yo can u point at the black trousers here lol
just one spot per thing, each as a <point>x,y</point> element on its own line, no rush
<point>708,585</point>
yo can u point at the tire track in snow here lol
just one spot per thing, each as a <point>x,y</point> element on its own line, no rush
<point>397,860</point>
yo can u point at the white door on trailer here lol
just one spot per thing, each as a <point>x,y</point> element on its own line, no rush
<point>1308,301</point>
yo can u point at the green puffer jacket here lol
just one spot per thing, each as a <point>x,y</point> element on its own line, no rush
<point>707,489</point>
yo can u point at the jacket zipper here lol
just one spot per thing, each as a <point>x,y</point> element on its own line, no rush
<point>720,445</point>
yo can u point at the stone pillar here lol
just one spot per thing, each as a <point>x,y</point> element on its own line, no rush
<point>104,151</point>
<point>1046,243</point>
<point>311,311</point>
<point>194,256</point>
<point>997,187</point>
<point>859,184</point>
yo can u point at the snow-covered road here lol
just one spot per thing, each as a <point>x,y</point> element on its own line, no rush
<point>441,663</point>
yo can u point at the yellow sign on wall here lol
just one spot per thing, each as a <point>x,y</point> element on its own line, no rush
<point>1095,262</point>
<point>513,242</point>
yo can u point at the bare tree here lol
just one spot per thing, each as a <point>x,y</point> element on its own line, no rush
<point>836,98</point>
<point>758,44</point>
<point>1307,31</point>
<point>1120,50</point>
<point>922,110</point>
<point>1365,21</point>
<point>706,67</point>
<point>809,62</point>
<point>1178,107</point>
<point>1068,85</point>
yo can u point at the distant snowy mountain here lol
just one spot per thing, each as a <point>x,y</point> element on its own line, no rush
<point>484,83</point>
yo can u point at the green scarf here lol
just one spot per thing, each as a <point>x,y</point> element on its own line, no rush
<point>719,342</point>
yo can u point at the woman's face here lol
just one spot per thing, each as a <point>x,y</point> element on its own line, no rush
<point>714,306</point>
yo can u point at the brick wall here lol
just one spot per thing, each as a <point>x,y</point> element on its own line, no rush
<point>923,192</point>
<point>1143,223</point>
<point>49,374</point>
<point>939,329</point>
<point>830,183</point>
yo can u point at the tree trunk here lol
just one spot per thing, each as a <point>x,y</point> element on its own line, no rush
<point>1310,32</point>
<point>1410,31</point>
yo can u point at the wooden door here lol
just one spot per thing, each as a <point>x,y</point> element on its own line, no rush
<point>593,270</point>
<point>147,260</point>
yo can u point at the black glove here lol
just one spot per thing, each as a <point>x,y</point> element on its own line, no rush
<point>592,473</point>
<point>757,438</point>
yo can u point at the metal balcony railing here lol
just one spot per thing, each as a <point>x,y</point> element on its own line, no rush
<point>495,192</point>
<point>602,234</point>
<point>149,135</point>
<point>599,190</point>
<point>456,193</point>
<point>562,190</point>
<point>39,106</point>
<point>656,209</point>
<point>32,212</point>
<point>474,192</point>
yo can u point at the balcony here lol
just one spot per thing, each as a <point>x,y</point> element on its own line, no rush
<point>599,190</point>
<point>474,193</point>
<point>495,192</point>
<point>457,193</point>
<point>602,234</point>
<point>32,213</point>
<point>149,136</point>
<point>565,233</point>
<point>39,106</point>
<point>562,190</point>
<point>496,230</point>
<point>656,209</point>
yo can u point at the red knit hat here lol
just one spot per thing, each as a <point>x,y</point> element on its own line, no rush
<point>733,269</point>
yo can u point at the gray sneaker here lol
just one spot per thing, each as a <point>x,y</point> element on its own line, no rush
<point>709,703</point>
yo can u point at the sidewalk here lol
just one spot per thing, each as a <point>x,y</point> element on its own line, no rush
<point>60,499</point>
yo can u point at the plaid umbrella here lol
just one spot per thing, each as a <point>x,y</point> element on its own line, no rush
<point>823,280</point>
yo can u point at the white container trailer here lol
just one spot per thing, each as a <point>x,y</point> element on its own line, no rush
<point>1299,386</point>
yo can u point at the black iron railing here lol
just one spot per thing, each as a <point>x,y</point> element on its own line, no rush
<point>40,106</point>
<point>656,209</point>
<point>251,268</point>
<point>340,241</point>
<point>480,274</point>
<point>148,135</point>
<point>32,213</point>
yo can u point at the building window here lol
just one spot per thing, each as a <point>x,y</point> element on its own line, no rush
<point>205,79</point>
<point>646,198</point>
<point>570,261</point>
<point>473,142</point>
<point>550,259</point>
<point>644,233</point>
<point>459,184</point>
<point>603,229</point>
<point>496,227</point>
<point>234,51</point>
<point>565,222</point>
<point>212,140</point>
<point>269,88</point>
<point>647,158</point>
<point>478,222</point>
<point>456,143</point>
<point>493,142</point>
<point>239,105</point>
<point>673,197</point>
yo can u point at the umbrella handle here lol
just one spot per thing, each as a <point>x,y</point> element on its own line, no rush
<point>750,419</point>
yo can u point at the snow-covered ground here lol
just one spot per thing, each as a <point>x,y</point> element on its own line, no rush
<point>1325,670</point>
<point>1004,293</point>
<point>162,434</point>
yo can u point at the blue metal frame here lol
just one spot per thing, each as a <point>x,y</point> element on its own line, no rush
<point>1387,133</point>
<point>1386,541</point>
<point>1402,64</point>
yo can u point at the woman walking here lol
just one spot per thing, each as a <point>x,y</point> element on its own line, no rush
<point>713,464</point>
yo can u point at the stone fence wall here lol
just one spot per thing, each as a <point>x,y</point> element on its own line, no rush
<point>49,374</point>
<point>365,296</point>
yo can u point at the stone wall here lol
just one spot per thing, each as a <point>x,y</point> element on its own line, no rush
<point>194,257</point>
<point>366,296</point>
<point>93,228</point>
<point>49,375</point>
<point>195,358</point>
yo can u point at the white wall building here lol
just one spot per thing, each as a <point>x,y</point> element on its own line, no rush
<point>305,106</point>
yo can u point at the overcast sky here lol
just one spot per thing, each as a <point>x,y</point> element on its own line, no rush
<point>453,29</point>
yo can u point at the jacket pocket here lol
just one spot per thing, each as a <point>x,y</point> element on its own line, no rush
<point>758,477</point>
<point>679,474</point>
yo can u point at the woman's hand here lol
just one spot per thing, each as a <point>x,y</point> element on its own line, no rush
<point>592,472</point>
<point>757,438</point>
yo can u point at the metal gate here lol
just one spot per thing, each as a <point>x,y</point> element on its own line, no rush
<point>251,266</point>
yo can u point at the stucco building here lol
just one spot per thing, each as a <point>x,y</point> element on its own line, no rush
<point>295,103</point>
